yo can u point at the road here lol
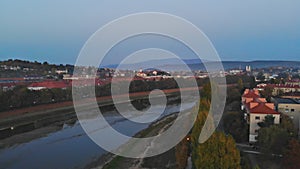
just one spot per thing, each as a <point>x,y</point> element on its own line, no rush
<point>247,149</point>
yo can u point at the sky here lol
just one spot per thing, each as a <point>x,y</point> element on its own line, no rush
<point>55,31</point>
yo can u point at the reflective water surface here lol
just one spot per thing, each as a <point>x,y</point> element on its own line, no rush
<point>70,147</point>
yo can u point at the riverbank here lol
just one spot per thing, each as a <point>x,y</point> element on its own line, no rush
<point>27,119</point>
<point>165,160</point>
<point>40,148</point>
<point>69,104</point>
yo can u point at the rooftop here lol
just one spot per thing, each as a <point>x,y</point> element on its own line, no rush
<point>261,108</point>
<point>286,101</point>
<point>251,94</point>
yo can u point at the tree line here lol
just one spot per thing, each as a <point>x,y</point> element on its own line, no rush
<point>219,151</point>
<point>20,96</point>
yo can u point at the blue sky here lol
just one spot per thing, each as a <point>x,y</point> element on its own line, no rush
<point>55,31</point>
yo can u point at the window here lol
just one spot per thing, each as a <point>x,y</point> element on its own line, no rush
<point>257,118</point>
<point>286,110</point>
<point>292,110</point>
<point>256,131</point>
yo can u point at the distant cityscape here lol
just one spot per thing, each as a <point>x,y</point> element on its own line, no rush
<point>38,76</point>
<point>261,116</point>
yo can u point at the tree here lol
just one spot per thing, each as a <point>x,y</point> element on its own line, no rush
<point>287,124</point>
<point>256,167</point>
<point>219,151</point>
<point>272,139</point>
<point>235,125</point>
<point>275,81</point>
<point>268,121</point>
<point>252,82</point>
<point>240,84</point>
<point>260,76</point>
<point>181,154</point>
<point>291,158</point>
<point>206,91</point>
<point>268,92</point>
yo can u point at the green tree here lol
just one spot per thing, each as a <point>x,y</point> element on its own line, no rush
<point>268,92</point>
<point>256,167</point>
<point>235,125</point>
<point>240,84</point>
<point>272,139</point>
<point>260,76</point>
<point>206,91</point>
<point>287,124</point>
<point>268,121</point>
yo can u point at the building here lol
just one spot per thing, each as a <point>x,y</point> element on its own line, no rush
<point>248,68</point>
<point>279,88</point>
<point>291,95</point>
<point>256,109</point>
<point>290,107</point>
<point>294,82</point>
<point>257,114</point>
<point>235,72</point>
<point>62,71</point>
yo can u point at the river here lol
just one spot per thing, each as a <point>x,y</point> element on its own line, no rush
<point>69,146</point>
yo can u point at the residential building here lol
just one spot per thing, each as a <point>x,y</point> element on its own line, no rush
<point>293,82</point>
<point>291,95</point>
<point>256,109</point>
<point>290,107</point>
<point>279,88</point>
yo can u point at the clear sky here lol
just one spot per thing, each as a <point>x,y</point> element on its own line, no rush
<point>56,30</point>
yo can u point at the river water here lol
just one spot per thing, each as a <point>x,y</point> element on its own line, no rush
<point>70,147</point>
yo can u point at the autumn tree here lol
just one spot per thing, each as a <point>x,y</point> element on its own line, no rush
<point>219,151</point>
<point>181,154</point>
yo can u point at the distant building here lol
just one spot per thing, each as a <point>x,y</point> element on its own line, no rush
<point>61,71</point>
<point>291,95</point>
<point>248,68</point>
<point>290,107</point>
<point>256,109</point>
<point>279,88</point>
<point>294,82</point>
<point>235,71</point>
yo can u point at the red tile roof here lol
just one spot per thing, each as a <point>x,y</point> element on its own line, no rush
<point>261,108</point>
<point>279,86</point>
<point>251,94</point>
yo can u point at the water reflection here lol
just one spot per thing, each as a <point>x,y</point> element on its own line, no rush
<point>69,147</point>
